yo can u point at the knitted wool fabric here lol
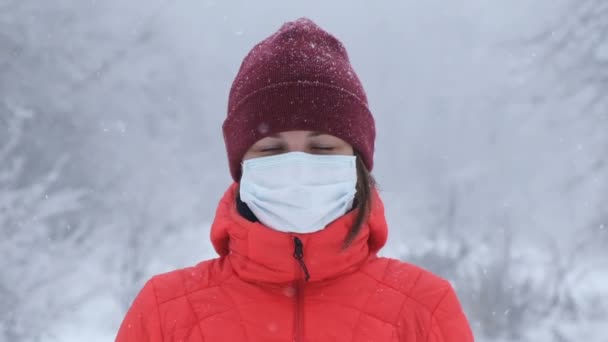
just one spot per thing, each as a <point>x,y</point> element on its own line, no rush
<point>299,78</point>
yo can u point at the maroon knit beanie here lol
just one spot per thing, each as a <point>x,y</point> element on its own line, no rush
<point>299,78</point>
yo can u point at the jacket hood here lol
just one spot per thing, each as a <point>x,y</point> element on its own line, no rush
<point>261,254</point>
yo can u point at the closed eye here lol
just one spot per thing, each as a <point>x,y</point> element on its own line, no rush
<point>322,148</point>
<point>270,149</point>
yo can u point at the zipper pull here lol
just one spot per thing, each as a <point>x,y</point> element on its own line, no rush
<point>298,254</point>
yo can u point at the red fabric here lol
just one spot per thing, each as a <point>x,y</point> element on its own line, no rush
<point>299,78</point>
<point>254,291</point>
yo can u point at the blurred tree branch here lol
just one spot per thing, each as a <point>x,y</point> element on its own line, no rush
<point>29,232</point>
<point>574,50</point>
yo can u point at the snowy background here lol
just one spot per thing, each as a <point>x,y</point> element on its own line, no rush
<point>492,151</point>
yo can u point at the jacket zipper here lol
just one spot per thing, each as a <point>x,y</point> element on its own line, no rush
<point>298,254</point>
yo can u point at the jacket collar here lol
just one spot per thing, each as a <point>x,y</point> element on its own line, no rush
<point>261,254</point>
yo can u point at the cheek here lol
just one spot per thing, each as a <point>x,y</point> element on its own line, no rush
<point>348,150</point>
<point>249,155</point>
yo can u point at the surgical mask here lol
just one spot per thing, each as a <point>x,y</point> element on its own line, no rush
<point>299,192</point>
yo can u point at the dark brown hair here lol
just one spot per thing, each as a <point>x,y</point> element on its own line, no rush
<point>363,199</point>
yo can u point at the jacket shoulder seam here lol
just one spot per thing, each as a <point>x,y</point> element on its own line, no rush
<point>433,314</point>
<point>408,295</point>
<point>405,292</point>
<point>186,293</point>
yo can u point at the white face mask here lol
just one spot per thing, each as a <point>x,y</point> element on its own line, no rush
<point>299,192</point>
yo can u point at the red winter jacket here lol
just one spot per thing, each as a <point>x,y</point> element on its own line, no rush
<point>256,290</point>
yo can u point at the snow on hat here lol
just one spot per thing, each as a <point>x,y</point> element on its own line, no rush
<point>299,78</point>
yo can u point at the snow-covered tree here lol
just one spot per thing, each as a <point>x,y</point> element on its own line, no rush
<point>40,236</point>
<point>573,51</point>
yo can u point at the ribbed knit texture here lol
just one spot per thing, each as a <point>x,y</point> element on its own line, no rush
<point>299,78</point>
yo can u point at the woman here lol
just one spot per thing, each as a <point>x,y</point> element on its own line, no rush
<point>298,232</point>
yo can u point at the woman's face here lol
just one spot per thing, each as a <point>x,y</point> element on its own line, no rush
<point>299,141</point>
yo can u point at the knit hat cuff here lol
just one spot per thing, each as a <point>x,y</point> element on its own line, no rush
<point>300,105</point>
